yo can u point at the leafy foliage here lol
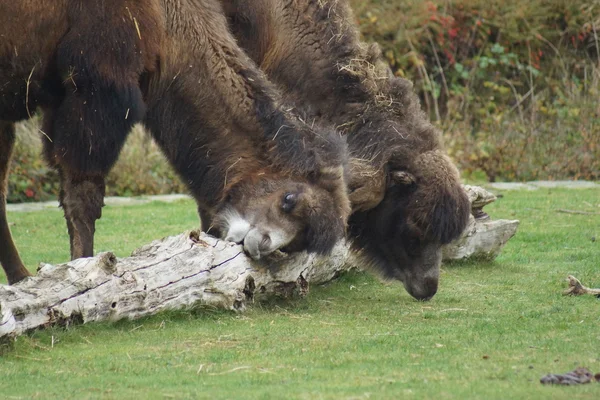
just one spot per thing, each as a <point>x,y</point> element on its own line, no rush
<point>30,178</point>
<point>513,84</point>
<point>140,170</point>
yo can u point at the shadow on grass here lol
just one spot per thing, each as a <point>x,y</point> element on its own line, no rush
<point>73,331</point>
<point>200,313</point>
<point>349,288</point>
<point>472,263</point>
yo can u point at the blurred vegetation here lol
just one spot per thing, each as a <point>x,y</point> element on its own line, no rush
<point>30,178</point>
<point>514,86</point>
<point>140,170</point>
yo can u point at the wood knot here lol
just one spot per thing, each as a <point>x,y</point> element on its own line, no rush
<point>480,215</point>
<point>195,238</point>
<point>108,262</point>
<point>302,285</point>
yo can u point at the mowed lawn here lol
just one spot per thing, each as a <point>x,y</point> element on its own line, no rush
<point>491,332</point>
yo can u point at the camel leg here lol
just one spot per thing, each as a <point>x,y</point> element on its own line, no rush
<point>70,228</point>
<point>82,199</point>
<point>9,256</point>
<point>81,189</point>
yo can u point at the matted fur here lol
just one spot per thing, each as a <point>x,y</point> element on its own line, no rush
<point>311,49</point>
<point>96,68</point>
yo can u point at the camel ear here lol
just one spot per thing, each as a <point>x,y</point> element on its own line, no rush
<point>402,178</point>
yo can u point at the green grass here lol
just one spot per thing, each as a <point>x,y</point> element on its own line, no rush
<point>491,332</point>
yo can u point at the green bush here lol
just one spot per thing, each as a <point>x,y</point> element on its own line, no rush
<point>30,178</point>
<point>140,170</point>
<point>514,85</point>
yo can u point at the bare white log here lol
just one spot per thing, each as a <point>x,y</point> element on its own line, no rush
<point>193,268</point>
<point>483,238</point>
<point>172,273</point>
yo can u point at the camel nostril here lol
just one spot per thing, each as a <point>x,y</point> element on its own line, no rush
<point>252,250</point>
<point>265,243</point>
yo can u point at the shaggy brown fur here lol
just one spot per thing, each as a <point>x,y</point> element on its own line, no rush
<point>96,68</point>
<point>405,192</point>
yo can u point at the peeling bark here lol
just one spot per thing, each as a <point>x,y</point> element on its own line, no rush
<point>172,273</point>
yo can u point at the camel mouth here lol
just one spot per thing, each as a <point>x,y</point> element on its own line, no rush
<point>422,289</point>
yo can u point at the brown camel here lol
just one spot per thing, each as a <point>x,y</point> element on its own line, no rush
<point>260,176</point>
<point>405,192</point>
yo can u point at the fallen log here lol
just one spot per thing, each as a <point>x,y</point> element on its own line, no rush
<point>172,273</point>
<point>192,268</point>
<point>483,238</point>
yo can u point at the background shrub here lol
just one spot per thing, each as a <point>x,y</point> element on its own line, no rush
<point>514,86</point>
<point>30,178</point>
<point>140,170</point>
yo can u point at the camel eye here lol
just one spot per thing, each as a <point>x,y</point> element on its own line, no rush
<point>289,202</point>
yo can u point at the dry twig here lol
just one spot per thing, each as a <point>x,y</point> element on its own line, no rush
<point>577,289</point>
<point>562,210</point>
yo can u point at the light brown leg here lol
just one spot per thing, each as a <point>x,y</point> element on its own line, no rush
<point>70,228</point>
<point>81,193</point>
<point>82,199</point>
<point>9,256</point>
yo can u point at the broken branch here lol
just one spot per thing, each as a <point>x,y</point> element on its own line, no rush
<point>577,289</point>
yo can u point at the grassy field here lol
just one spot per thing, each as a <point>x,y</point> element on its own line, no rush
<point>491,332</point>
